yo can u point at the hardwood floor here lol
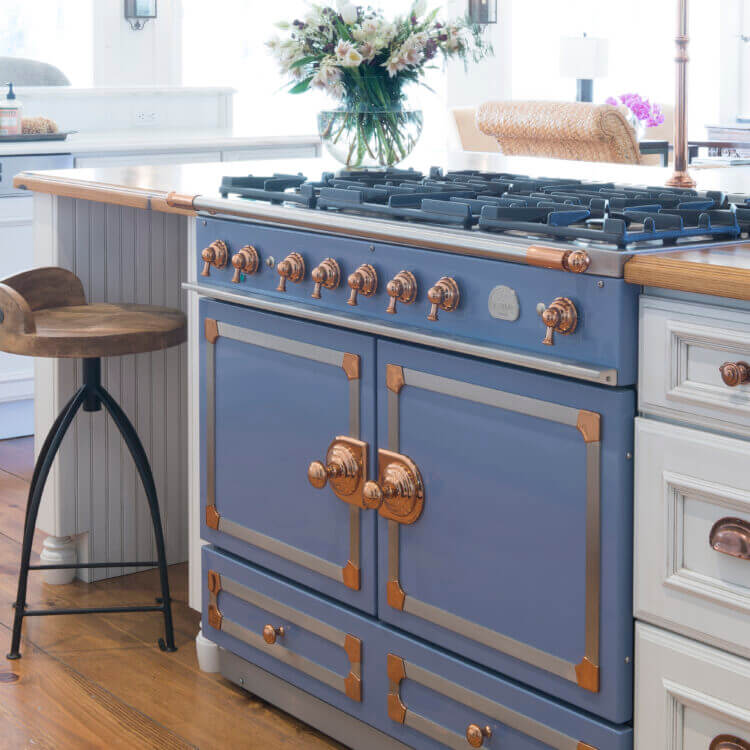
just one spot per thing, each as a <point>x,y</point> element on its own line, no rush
<point>100,681</point>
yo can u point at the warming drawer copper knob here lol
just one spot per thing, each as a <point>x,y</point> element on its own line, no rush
<point>475,735</point>
<point>561,317</point>
<point>363,281</point>
<point>443,296</point>
<point>728,742</point>
<point>401,288</point>
<point>270,634</point>
<point>245,261</point>
<point>216,254</point>
<point>327,274</point>
<point>735,373</point>
<point>731,536</point>
<point>291,268</point>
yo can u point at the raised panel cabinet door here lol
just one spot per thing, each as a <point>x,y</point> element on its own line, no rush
<point>519,555</point>
<point>275,394</point>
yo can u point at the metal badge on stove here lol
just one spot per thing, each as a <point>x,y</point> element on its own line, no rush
<point>503,303</point>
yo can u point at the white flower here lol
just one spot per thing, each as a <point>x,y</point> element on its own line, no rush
<point>410,55</point>
<point>352,58</point>
<point>342,48</point>
<point>367,51</point>
<point>336,90</point>
<point>273,44</point>
<point>349,14</point>
<point>419,8</point>
<point>393,65</point>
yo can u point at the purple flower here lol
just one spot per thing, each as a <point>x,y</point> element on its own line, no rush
<point>612,101</point>
<point>641,108</point>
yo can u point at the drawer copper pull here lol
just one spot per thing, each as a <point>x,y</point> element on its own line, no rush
<point>731,536</point>
<point>475,734</point>
<point>735,373</point>
<point>728,742</point>
<point>270,633</point>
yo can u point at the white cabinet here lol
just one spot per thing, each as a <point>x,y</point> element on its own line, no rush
<point>687,694</point>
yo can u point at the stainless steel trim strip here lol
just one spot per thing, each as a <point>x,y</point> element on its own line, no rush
<point>393,551</point>
<point>289,614</point>
<point>302,663</point>
<point>532,407</point>
<point>277,547</point>
<point>281,344</point>
<point>593,549</point>
<point>434,731</point>
<point>578,370</point>
<point>354,418</point>
<point>487,637</point>
<point>354,533</point>
<point>475,701</point>
<point>393,421</point>
<point>210,425</point>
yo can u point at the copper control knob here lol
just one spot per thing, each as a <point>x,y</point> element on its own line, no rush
<point>475,734</point>
<point>401,288</point>
<point>216,254</point>
<point>245,261</point>
<point>292,268</point>
<point>444,296</point>
<point>363,281</point>
<point>560,316</point>
<point>327,274</point>
<point>270,634</point>
<point>735,373</point>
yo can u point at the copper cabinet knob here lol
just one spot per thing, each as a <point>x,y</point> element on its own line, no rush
<point>401,288</point>
<point>327,274</point>
<point>342,467</point>
<point>728,742</point>
<point>561,317</point>
<point>475,735</point>
<point>270,634</point>
<point>735,373</point>
<point>363,281</point>
<point>445,295</point>
<point>291,268</point>
<point>731,536</point>
<point>216,254</point>
<point>245,261</point>
<point>399,492</point>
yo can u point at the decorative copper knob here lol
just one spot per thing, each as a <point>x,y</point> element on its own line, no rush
<point>401,288</point>
<point>342,467</point>
<point>576,261</point>
<point>399,492</point>
<point>327,274</point>
<point>292,268</point>
<point>728,742</point>
<point>735,373</point>
<point>731,536</point>
<point>216,254</point>
<point>475,734</point>
<point>270,634</point>
<point>245,261</point>
<point>363,281</point>
<point>560,316</point>
<point>444,296</point>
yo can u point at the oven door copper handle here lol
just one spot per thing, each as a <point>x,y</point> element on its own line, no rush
<point>344,467</point>
<point>731,536</point>
<point>398,495</point>
<point>728,742</point>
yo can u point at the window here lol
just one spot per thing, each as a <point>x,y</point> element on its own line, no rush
<point>59,32</point>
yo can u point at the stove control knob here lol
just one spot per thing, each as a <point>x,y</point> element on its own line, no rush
<point>246,261</point>
<point>560,316</point>
<point>401,288</point>
<point>291,268</point>
<point>327,274</point>
<point>363,281</point>
<point>444,296</point>
<point>216,254</point>
<point>475,734</point>
<point>735,373</point>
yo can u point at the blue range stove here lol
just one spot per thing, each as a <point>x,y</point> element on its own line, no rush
<point>417,404</point>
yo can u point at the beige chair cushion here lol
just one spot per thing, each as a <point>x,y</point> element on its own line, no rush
<point>560,130</point>
<point>472,139</point>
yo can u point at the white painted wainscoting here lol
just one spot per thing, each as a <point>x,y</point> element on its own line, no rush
<point>93,494</point>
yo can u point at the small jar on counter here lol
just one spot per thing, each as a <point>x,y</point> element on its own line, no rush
<point>10,114</point>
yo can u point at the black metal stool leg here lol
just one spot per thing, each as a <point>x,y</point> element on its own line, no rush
<point>41,470</point>
<point>130,436</point>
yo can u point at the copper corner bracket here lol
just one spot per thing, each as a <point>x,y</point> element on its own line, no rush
<point>394,378</point>
<point>353,681</point>
<point>395,595</point>
<point>353,687</point>
<point>350,365</point>
<point>396,673</point>
<point>215,617</point>
<point>584,746</point>
<point>350,575</point>
<point>214,582</point>
<point>587,675</point>
<point>211,329</point>
<point>212,517</point>
<point>589,425</point>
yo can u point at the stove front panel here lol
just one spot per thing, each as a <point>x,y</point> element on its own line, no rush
<point>521,559</point>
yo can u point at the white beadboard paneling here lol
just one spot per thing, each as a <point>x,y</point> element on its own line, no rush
<point>122,255</point>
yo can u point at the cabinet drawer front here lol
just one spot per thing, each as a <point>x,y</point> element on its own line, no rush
<point>689,695</point>
<point>524,475</point>
<point>692,519</point>
<point>682,348</point>
<point>274,394</point>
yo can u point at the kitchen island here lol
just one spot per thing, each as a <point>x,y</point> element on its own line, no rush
<point>142,234</point>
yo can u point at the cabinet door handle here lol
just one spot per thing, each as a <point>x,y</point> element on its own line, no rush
<point>728,742</point>
<point>734,373</point>
<point>731,536</point>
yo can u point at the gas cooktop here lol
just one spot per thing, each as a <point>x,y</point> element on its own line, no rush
<point>606,213</point>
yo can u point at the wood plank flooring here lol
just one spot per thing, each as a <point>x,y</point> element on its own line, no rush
<point>100,681</point>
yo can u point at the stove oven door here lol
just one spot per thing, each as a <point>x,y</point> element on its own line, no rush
<point>515,549</point>
<point>275,394</point>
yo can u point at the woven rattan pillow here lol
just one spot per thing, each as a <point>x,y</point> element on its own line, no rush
<point>560,130</point>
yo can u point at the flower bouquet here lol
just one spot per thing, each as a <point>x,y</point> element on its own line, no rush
<point>641,112</point>
<point>366,62</point>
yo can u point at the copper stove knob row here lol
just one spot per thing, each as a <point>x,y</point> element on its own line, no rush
<point>326,275</point>
<point>735,373</point>
<point>245,261</point>
<point>445,295</point>
<point>292,268</point>
<point>475,735</point>
<point>560,316</point>
<point>216,255</point>
<point>363,281</point>
<point>271,633</point>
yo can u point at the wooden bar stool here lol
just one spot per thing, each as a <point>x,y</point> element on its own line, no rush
<point>43,313</point>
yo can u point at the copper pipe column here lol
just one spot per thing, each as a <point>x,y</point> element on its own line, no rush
<point>681,178</point>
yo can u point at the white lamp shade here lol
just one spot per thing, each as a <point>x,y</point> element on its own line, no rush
<point>584,57</point>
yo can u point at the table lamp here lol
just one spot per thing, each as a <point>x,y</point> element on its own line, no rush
<point>584,58</point>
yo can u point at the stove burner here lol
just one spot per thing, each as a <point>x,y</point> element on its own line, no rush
<point>559,208</point>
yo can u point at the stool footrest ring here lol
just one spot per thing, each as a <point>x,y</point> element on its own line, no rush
<point>79,566</point>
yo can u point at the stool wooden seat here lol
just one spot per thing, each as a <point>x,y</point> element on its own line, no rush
<point>43,313</point>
